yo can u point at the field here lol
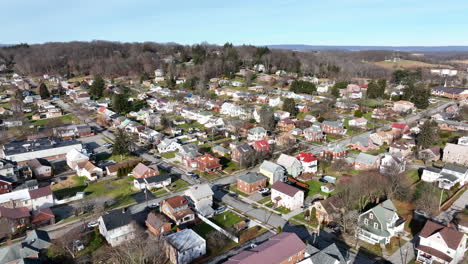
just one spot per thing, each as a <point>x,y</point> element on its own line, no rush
<point>65,119</point>
<point>408,64</point>
<point>460,61</point>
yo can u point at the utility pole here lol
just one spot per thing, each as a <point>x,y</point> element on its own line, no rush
<point>441,195</point>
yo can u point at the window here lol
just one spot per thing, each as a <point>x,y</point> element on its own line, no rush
<point>366,221</point>
<point>376,225</point>
<point>371,216</point>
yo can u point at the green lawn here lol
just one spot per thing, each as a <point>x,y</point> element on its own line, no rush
<point>178,185</point>
<point>159,192</point>
<point>412,175</point>
<point>168,155</point>
<point>372,249</point>
<point>65,119</point>
<point>264,200</point>
<point>94,242</point>
<point>314,187</point>
<point>116,158</point>
<point>367,115</point>
<point>313,221</point>
<point>203,229</point>
<point>281,210</point>
<point>380,150</point>
<point>227,219</point>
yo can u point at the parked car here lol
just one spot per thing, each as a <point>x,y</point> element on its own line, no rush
<point>92,224</point>
<point>78,245</point>
<point>265,194</point>
<point>263,190</point>
<point>253,245</point>
<point>153,205</point>
<point>323,180</point>
<point>220,209</point>
<point>233,194</point>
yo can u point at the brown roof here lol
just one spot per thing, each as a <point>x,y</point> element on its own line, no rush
<point>37,163</point>
<point>41,192</point>
<point>14,213</point>
<point>285,188</point>
<point>41,215</point>
<point>276,250</point>
<point>176,201</point>
<point>156,220</point>
<point>141,168</point>
<point>115,167</point>
<point>87,165</point>
<point>451,236</point>
<point>434,252</point>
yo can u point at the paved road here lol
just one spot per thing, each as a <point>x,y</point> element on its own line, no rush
<point>405,254</point>
<point>457,206</point>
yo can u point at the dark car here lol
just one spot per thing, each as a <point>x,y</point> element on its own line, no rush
<point>323,180</point>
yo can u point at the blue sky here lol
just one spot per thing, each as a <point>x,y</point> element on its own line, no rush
<point>258,22</point>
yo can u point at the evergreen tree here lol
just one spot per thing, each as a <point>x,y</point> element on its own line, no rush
<point>428,135</point>
<point>358,113</point>
<point>43,91</point>
<point>120,103</point>
<point>290,106</point>
<point>335,91</point>
<point>303,87</point>
<point>97,88</point>
<point>144,77</point>
<point>121,144</point>
<point>267,118</point>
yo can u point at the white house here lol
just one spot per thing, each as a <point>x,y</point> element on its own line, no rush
<point>74,157</point>
<point>88,170</point>
<point>32,199</point>
<point>322,88</point>
<point>308,161</point>
<point>274,102</point>
<point>256,133</point>
<point>287,196</point>
<point>117,227</point>
<point>358,122</point>
<point>447,177</point>
<point>201,196</point>
<point>440,244</point>
<point>390,162</point>
<point>168,145</point>
<point>153,182</point>
<point>185,246</point>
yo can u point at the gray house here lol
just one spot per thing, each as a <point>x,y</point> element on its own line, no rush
<point>292,165</point>
<point>117,227</point>
<point>185,246</point>
<point>272,171</point>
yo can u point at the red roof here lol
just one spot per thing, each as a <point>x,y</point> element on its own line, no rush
<point>262,143</point>
<point>306,157</point>
<point>41,215</point>
<point>363,85</point>
<point>399,125</point>
<point>101,109</point>
<point>14,213</point>
<point>451,236</point>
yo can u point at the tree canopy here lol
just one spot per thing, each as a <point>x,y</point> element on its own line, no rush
<point>289,105</point>
<point>97,88</point>
<point>43,91</point>
<point>299,86</point>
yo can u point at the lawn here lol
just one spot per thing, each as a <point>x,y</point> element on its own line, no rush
<point>168,155</point>
<point>372,249</point>
<point>264,200</point>
<point>301,217</point>
<point>178,185</point>
<point>281,210</point>
<point>94,242</point>
<point>394,245</point>
<point>407,64</point>
<point>380,150</point>
<point>120,190</point>
<point>314,187</point>
<point>412,175</point>
<point>227,219</point>
<point>229,166</point>
<point>159,192</point>
<point>116,158</point>
<point>65,119</point>
<point>368,115</point>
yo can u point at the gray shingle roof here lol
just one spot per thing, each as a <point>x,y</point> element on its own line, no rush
<point>185,240</point>
<point>251,177</point>
<point>366,158</point>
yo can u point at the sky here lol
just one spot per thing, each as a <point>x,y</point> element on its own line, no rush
<point>256,22</point>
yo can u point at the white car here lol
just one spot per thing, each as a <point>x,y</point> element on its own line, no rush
<point>264,190</point>
<point>92,224</point>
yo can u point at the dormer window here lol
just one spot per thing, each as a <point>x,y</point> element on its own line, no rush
<point>376,226</point>
<point>371,216</point>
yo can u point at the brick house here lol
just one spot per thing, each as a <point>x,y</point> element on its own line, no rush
<point>314,133</point>
<point>362,143</point>
<point>158,224</point>
<point>328,210</point>
<point>6,185</point>
<point>251,182</point>
<point>403,106</point>
<point>285,125</point>
<point>457,93</point>
<point>208,163</point>
<point>241,151</point>
<point>333,152</point>
<point>143,171</point>
<point>333,127</point>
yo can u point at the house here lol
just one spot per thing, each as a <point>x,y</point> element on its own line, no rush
<point>113,169</point>
<point>168,145</point>
<point>380,223</point>
<point>291,164</point>
<point>403,147</point>
<point>40,168</point>
<point>117,226</point>
<point>6,185</point>
<point>440,244</point>
<point>382,137</point>
<point>143,171</point>
<point>457,93</point>
<point>89,170</point>
<point>221,151</point>
<point>275,102</point>
<point>152,182</point>
<point>366,161</point>
<point>187,155</point>
<point>201,197</point>
<point>382,113</point>
<point>403,107</point>
<point>280,114</point>
<point>457,154</point>
<point>33,199</point>
<point>328,210</point>
<point>208,163</point>
<point>333,127</point>
<point>333,151</point>
<point>74,157</point>
<point>314,133</point>
<point>251,182</point>
<point>284,248</point>
<point>447,177</point>
<point>287,196</point>
<point>308,162</point>
<point>327,188</point>
<point>49,149</point>
<point>391,163</point>
<point>185,246</point>
<point>358,122</point>
<point>256,133</point>
<point>158,224</point>
<point>430,154</point>
<point>261,146</point>
<point>177,209</point>
<point>330,255</point>
<point>285,125</point>
<point>13,219</point>
<point>399,129</point>
<point>362,143</point>
<point>241,152</point>
<point>272,171</point>
<point>28,250</point>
